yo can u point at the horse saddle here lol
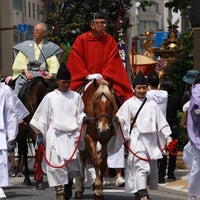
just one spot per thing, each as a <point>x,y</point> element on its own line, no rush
<point>27,87</point>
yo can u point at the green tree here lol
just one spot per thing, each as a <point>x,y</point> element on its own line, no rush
<point>178,5</point>
<point>183,61</point>
<point>67,19</point>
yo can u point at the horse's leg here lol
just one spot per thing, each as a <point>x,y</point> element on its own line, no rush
<point>22,152</point>
<point>98,192</point>
<point>103,165</point>
<point>79,179</point>
<point>27,180</point>
<point>39,183</point>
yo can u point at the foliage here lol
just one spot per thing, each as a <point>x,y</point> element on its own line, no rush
<point>66,51</point>
<point>183,137</point>
<point>67,19</point>
<point>178,5</point>
<point>182,63</point>
<point>144,4</point>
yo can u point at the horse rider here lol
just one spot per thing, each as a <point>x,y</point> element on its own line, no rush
<point>95,55</point>
<point>37,57</point>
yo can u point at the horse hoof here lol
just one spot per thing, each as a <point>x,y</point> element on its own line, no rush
<point>78,195</point>
<point>98,197</point>
<point>40,186</point>
<point>93,186</point>
<point>27,181</point>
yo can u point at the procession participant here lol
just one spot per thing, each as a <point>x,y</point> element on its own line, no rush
<point>37,57</point>
<point>12,111</point>
<point>95,55</point>
<point>146,137</point>
<point>189,79</point>
<point>160,97</point>
<point>173,107</point>
<point>191,152</point>
<point>58,120</point>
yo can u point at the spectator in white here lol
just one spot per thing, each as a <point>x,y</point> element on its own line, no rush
<point>191,152</point>
<point>160,97</point>
<point>12,111</point>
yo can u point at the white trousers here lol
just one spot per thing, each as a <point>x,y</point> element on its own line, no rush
<point>3,168</point>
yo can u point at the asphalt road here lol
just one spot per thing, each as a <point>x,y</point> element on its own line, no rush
<point>18,191</point>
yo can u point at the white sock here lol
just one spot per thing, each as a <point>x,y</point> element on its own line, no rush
<point>192,198</point>
<point>2,194</point>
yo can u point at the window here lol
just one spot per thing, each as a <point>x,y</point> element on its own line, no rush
<point>17,5</point>
<point>25,8</point>
<point>38,11</point>
<point>29,9</point>
<point>33,11</point>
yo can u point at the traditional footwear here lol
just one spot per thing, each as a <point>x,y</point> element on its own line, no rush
<point>192,198</point>
<point>2,194</point>
<point>120,182</point>
<point>106,181</point>
<point>144,198</point>
<point>12,171</point>
<point>143,194</point>
<point>68,190</point>
<point>59,193</point>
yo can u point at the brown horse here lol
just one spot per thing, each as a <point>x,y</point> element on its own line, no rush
<point>34,92</point>
<point>100,107</point>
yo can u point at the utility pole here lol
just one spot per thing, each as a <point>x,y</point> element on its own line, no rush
<point>195,23</point>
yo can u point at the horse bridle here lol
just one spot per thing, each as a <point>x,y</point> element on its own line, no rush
<point>97,117</point>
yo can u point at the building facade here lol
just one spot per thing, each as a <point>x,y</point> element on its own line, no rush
<point>17,18</point>
<point>154,19</point>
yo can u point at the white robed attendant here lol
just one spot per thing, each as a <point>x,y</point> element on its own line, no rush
<point>12,111</point>
<point>146,139</point>
<point>59,118</point>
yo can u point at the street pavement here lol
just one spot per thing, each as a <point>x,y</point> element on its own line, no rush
<point>174,190</point>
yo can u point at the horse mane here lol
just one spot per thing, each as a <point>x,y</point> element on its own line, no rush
<point>104,89</point>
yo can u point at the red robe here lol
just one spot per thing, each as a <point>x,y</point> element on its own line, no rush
<point>90,55</point>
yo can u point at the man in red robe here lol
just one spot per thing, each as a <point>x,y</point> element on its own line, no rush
<point>95,54</point>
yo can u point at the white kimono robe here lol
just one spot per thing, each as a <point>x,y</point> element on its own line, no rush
<point>147,138</point>
<point>11,112</point>
<point>59,118</point>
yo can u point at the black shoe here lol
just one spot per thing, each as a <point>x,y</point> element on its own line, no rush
<point>172,178</point>
<point>161,180</point>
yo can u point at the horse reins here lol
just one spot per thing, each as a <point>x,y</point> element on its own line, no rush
<point>41,152</point>
<point>171,147</point>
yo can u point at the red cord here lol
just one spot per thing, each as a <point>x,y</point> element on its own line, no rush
<point>41,152</point>
<point>38,175</point>
<point>172,148</point>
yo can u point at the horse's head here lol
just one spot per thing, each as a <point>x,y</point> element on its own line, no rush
<point>103,106</point>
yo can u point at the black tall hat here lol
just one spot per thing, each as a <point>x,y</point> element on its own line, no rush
<point>63,73</point>
<point>97,15</point>
<point>140,79</point>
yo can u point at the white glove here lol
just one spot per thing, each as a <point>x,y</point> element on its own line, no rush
<point>197,111</point>
<point>169,139</point>
<point>94,76</point>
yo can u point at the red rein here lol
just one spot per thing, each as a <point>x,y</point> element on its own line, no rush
<point>172,147</point>
<point>41,152</point>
